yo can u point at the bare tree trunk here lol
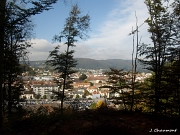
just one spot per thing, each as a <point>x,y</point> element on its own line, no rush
<point>132,99</point>
<point>2,23</point>
<point>123,100</point>
<point>65,75</point>
<point>178,92</point>
<point>134,63</point>
<point>62,98</point>
<point>9,95</point>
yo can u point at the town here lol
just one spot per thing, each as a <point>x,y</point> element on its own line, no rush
<point>87,84</point>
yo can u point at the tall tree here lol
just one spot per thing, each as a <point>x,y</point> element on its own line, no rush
<point>15,45</point>
<point>117,80</point>
<point>171,73</point>
<point>2,25</point>
<point>160,27</point>
<point>76,27</point>
<point>83,77</point>
<point>13,30</point>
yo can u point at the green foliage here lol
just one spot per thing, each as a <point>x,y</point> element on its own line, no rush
<point>26,68</point>
<point>97,105</point>
<point>163,26</point>
<point>117,84</point>
<point>83,77</point>
<point>93,106</point>
<point>37,96</point>
<point>51,97</point>
<point>86,93</point>
<point>15,34</point>
<point>16,30</point>
<point>77,96</point>
<point>91,84</point>
<point>44,97</point>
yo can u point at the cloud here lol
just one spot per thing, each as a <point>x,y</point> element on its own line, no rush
<point>112,40</point>
<point>40,45</point>
<point>40,49</point>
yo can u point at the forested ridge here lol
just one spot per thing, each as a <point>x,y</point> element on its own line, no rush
<point>87,63</point>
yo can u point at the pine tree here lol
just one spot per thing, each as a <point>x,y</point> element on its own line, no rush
<point>117,80</point>
<point>75,27</point>
<point>14,31</point>
<point>160,27</point>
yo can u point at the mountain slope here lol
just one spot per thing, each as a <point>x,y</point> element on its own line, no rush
<point>87,63</point>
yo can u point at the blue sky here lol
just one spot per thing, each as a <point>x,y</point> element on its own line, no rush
<point>51,22</point>
<point>111,22</point>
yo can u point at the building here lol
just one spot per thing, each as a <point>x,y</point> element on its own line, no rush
<point>43,78</point>
<point>95,95</point>
<point>81,85</point>
<point>92,89</point>
<point>44,89</point>
<point>27,95</point>
<point>97,79</point>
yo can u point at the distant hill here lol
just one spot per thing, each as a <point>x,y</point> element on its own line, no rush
<point>87,63</point>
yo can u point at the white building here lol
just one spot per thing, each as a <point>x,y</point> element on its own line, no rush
<point>43,78</point>
<point>27,95</point>
<point>95,95</point>
<point>45,89</point>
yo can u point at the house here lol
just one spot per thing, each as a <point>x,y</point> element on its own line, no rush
<point>115,94</point>
<point>27,95</point>
<point>97,79</point>
<point>98,84</point>
<point>89,96</point>
<point>81,89</point>
<point>95,95</point>
<point>92,89</point>
<point>81,85</point>
<point>104,93</point>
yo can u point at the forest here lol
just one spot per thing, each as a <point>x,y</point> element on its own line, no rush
<point>157,97</point>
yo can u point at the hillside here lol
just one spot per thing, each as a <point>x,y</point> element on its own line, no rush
<point>86,63</point>
<point>94,122</point>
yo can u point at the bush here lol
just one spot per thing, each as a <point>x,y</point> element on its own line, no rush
<point>98,104</point>
<point>93,106</point>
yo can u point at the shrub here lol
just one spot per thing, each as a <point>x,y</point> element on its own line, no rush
<point>98,104</point>
<point>93,106</point>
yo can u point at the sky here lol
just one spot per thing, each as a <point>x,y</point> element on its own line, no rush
<point>111,22</point>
